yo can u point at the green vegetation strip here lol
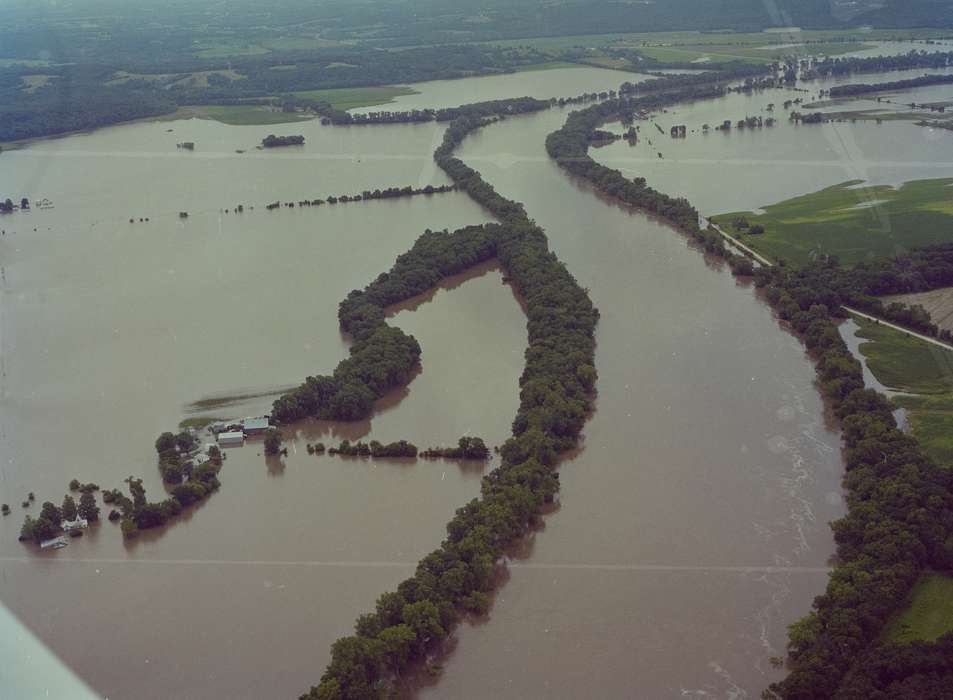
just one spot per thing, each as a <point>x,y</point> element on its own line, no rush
<point>930,612</point>
<point>352,98</point>
<point>850,221</point>
<point>239,115</point>
<point>905,363</point>
<point>908,364</point>
<point>931,423</point>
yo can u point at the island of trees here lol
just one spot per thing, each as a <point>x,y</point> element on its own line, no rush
<point>272,141</point>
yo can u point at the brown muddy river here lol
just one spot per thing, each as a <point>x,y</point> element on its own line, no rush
<point>693,521</point>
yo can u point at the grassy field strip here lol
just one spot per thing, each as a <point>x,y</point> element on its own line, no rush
<point>850,221</point>
<point>930,613</point>
<point>923,368</point>
<point>351,98</point>
<point>236,115</point>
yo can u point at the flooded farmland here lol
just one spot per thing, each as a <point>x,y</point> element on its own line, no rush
<point>693,520</point>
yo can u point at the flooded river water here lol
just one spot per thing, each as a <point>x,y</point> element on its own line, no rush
<point>693,520</point>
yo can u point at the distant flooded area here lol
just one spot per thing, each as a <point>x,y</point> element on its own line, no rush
<point>692,524</point>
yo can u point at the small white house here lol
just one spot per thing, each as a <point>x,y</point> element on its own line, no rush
<point>235,437</point>
<point>78,524</point>
<point>54,543</point>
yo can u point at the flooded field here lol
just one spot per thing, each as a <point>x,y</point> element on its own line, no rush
<point>693,520</point>
<point>744,169</point>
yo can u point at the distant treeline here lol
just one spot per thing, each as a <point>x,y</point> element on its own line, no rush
<point>496,108</point>
<point>366,195</point>
<point>900,504</point>
<point>834,65</point>
<point>862,88</point>
<point>555,395</point>
<point>82,96</point>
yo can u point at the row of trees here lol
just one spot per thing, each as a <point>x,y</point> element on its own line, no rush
<point>834,65</point>
<point>900,504</point>
<point>401,448</point>
<point>557,385</point>
<point>900,517</point>
<point>863,88</point>
<point>568,146</point>
<point>861,286</point>
<point>520,105</point>
<point>467,448</point>
<point>387,193</point>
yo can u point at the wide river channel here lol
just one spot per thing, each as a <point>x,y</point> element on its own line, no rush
<point>693,520</point>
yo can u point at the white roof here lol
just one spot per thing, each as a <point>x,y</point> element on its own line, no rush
<point>73,524</point>
<point>54,543</point>
<point>234,436</point>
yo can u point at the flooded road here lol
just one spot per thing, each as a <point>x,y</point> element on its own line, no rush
<point>693,521</point>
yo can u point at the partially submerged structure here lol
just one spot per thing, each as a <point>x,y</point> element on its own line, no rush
<point>231,438</point>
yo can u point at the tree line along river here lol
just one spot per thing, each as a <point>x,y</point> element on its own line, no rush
<point>646,578</point>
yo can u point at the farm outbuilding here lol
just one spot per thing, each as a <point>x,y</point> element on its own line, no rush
<point>231,438</point>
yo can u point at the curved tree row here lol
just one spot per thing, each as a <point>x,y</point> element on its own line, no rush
<point>900,516</point>
<point>569,147</point>
<point>556,388</point>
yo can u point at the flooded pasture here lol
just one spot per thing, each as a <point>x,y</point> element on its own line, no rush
<point>693,521</point>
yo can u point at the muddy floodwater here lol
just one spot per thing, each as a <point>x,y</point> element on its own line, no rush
<point>693,520</point>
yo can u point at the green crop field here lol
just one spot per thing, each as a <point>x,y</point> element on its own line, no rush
<point>925,372</point>
<point>931,423</point>
<point>906,363</point>
<point>929,614</point>
<point>852,222</point>
<point>237,115</point>
<point>350,98</point>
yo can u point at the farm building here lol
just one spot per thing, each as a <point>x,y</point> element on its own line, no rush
<point>231,438</point>
<point>255,426</point>
<point>78,524</point>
